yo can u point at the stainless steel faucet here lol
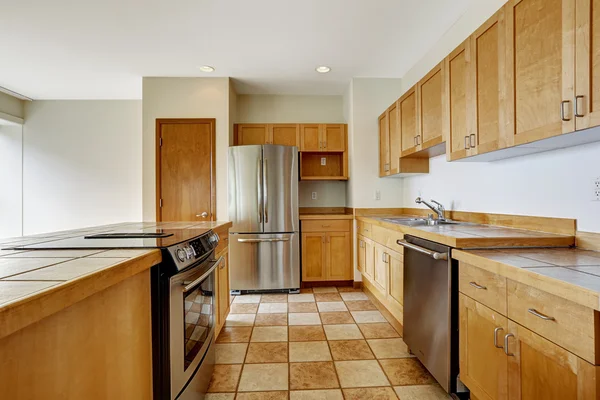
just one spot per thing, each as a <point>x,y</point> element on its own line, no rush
<point>438,208</point>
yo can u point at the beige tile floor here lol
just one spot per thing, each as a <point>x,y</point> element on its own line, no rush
<point>309,346</point>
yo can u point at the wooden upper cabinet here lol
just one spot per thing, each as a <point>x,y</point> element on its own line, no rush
<point>248,134</point>
<point>587,77</point>
<point>284,134</point>
<point>487,72</point>
<point>430,91</point>
<point>456,107</point>
<point>310,137</point>
<point>407,107</point>
<point>384,145</point>
<point>334,137</point>
<point>394,138</point>
<point>540,63</point>
<point>539,369</point>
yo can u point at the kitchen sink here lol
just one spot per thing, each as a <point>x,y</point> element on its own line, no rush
<point>420,221</point>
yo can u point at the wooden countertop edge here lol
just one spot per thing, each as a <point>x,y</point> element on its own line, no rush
<point>325,216</point>
<point>32,308</point>
<point>528,276</point>
<point>552,240</point>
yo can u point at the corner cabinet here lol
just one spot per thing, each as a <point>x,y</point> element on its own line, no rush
<point>326,250</point>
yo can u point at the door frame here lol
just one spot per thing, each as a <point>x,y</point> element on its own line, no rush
<point>213,194</point>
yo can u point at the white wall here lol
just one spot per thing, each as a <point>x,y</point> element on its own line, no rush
<point>11,176</point>
<point>11,106</point>
<point>367,98</point>
<point>81,164</point>
<point>184,98</point>
<point>282,109</point>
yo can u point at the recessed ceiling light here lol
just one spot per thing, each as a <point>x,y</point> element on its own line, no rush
<point>207,68</point>
<point>323,69</point>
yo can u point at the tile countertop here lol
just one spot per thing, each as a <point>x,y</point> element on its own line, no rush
<point>572,274</point>
<point>470,235</point>
<point>60,278</point>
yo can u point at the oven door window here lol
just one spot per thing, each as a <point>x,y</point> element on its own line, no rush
<point>198,318</point>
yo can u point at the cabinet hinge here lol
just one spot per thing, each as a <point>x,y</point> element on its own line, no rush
<point>160,142</point>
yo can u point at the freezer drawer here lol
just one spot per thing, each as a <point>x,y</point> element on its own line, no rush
<point>264,261</point>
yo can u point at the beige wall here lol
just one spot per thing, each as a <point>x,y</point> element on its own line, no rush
<point>184,98</point>
<point>281,109</point>
<point>11,107</point>
<point>329,194</point>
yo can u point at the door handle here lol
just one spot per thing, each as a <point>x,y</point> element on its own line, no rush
<point>472,140</point>
<point>266,191</point>
<point>189,286</point>
<point>433,254</point>
<point>467,143</point>
<point>577,98</point>
<point>203,215</point>
<point>476,286</point>
<point>508,335</point>
<point>259,189</point>
<point>286,239</point>
<point>562,110</point>
<point>498,329</point>
<point>540,315</point>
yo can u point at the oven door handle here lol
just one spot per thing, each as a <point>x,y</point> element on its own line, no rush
<point>433,254</point>
<point>195,282</point>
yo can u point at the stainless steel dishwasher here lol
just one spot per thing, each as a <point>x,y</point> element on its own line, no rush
<point>431,308</point>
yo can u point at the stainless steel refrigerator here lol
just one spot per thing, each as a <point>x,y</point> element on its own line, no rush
<point>263,206</point>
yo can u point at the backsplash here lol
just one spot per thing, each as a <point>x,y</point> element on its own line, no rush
<point>329,194</point>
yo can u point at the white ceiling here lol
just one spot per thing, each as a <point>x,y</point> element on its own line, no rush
<point>100,49</point>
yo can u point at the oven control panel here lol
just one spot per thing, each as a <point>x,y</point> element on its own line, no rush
<point>185,254</point>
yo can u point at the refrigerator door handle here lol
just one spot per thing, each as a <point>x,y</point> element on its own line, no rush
<point>259,190</point>
<point>286,239</point>
<point>266,192</point>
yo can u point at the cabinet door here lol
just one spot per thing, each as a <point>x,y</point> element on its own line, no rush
<point>380,274</point>
<point>313,256</point>
<point>338,256</point>
<point>487,79</point>
<point>407,106</point>
<point>334,137</point>
<point>540,69</point>
<point>248,134</point>
<point>395,291</point>
<point>310,137</point>
<point>483,366</point>
<point>430,91</point>
<point>384,145</point>
<point>285,134</point>
<point>394,139</point>
<point>361,254</point>
<point>587,81</point>
<point>539,369</point>
<point>223,288</point>
<point>458,139</point>
<point>369,259</point>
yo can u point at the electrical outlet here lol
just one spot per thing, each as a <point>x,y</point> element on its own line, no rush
<point>314,195</point>
<point>596,193</point>
<point>377,195</point>
<point>323,160</point>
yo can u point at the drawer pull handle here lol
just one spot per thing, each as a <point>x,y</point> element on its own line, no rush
<point>476,286</point>
<point>498,329</point>
<point>508,335</point>
<point>540,315</point>
<point>325,226</point>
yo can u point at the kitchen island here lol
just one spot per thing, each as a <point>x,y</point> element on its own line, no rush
<point>76,324</point>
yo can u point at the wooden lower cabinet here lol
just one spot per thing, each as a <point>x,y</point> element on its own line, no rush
<point>222,288</point>
<point>326,256</point>
<point>380,273</point>
<point>395,287</point>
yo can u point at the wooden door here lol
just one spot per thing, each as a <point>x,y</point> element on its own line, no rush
<point>310,137</point>
<point>487,73</point>
<point>395,290</point>
<point>407,106</point>
<point>380,273</point>
<point>430,91</point>
<point>248,134</point>
<point>223,288</point>
<point>587,78</point>
<point>284,134</point>
<point>394,139</point>
<point>456,86</point>
<point>334,137</point>
<point>369,258</point>
<point>338,266</point>
<point>384,145</point>
<point>185,170</point>
<point>361,254</point>
<point>540,69</point>
<point>539,369</point>
<point>483,366</point>
<point>313,256</point>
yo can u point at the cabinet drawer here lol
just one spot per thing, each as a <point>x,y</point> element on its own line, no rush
<point>387,238</point>
<point>569,325</point>
<point>327,225</point>
<point>363,228</point>
<point>483,286</point>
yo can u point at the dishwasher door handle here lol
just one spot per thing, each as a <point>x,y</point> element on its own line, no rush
<point>433,254</point>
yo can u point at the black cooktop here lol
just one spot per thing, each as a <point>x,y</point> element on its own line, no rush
<point>129,235</point>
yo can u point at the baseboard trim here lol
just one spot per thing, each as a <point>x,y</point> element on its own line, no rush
<point>358,285</point>
<point>311,284</point>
